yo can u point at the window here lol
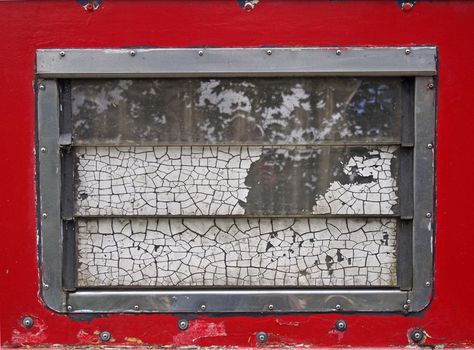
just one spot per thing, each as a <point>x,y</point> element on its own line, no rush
<point>236,180</point>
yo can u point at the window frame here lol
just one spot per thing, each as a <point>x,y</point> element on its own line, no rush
<point>55,245</point>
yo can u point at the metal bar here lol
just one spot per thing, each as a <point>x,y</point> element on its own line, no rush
<point>69,255</point>
<point>406,183</point>
<point>290,216</point>
<point>232,301</point>
<point>344,61</point>
<point>50,194</point>
<point>423,220</point>
<point>405,255</point>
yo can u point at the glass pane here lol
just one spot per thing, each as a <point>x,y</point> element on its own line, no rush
<point>236,252</point>
<point>236,180</point>
<point>235,110</point>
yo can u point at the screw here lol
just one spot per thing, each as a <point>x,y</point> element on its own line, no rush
<point>406,306</point>
<point>338,52</point>
<point>270,307</point>
<point>133,53</point>
<point>203,307</point>
<point>428,215</point>
<point>262,337</point>
<point>407,51</point>
<point>62,53</point>
<point>417,335</point>
<point>269,52</point>
<point>183,324</point>
<point>200,53</point>
<point>136,307</point>
<point>27,322</point>
<point>341,325</point>
<point>430,85</point>
<point>105,336</point>
<point>430,146</point>
<point>45,215</point>
<point>428,284</point>
<point>44,150</point>
<point>338,307</point>
<point>45,286</point>
<point>69,308</point>
<point>249,6</point>
<point>41,86</point>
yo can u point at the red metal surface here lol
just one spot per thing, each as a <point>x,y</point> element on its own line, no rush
<point>29,25</point>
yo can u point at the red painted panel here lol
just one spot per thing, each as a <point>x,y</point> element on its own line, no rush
<point>29,25</point>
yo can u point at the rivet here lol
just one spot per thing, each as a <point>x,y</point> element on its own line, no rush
<point>44,150</point>
<point>406,306</point>
<point>41,86</point>
<point>27,322</point>
<point>203,307</point>
<point>133,53</point>
<point>428,215</point>
<point>62,53</point>
<point>45,286</point>
<point>407,51</point>
<point>417,335</point>
<point>428,284</point>
<point>69,308</point>
<point>183,324</point>
<point>341,325</point>
<point>136,307</point>
<point>270,307</point>
<point>338,52</point>
<point>408,301</point>
<point>430,85</point>
<point>269,52</point>
<point>262,337</point>
<point>338,307</point>
<point>45,215</point>
<point>430,146</point>
<point>105,336</point>
<point>200,53</point>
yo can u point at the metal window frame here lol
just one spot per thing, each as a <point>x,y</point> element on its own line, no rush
<point>54,64</point>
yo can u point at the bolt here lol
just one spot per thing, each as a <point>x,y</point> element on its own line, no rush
<point>430,146</point>
<point>133,53</point>
<point>341,325</point>
<point>203,307</point>
<point>45,286</point>
<point>417,335</point>
<point>428,215</point>
<point>406,306</point>
<point>183,324</point>
<point>41,86</point>
<point>338,52</point>
<point>428,284</point>
<point>200,53</point>
<point>44,215</point>
<point>44,150</point>
<point>269,52</point>
<point>249,6</point>
<point>270,307</point>
<point>27,322</point>
<point>90,7</point>
<point>136,307</point>
<point>62,53</point>
<point>430,85</point>
<point>407,51</point>
<point>262,337</point>
<point>69,308</point>
<point>105,336</point>
<point>338,307</point>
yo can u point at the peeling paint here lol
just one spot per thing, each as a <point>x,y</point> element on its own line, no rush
<point>199,329</point>
<point>34,335</point>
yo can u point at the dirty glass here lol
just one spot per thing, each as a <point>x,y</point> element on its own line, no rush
<point>236,110</point>
<point>236,182</point>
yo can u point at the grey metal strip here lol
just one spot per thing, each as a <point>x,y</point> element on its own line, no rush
<point>231,301</point>
<point>50,195</point>
<point>347,61</point>
<point>423,221</point>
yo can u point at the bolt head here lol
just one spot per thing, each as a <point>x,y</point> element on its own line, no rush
<point>338,52</point>
<point>44,150</point>
<point>105,336</point>
<point>269,52</point>
<point>46,286</point>
<point>42,87</point>
<point>133,53</point>
<point>270,307</point>
<point>62,53</point>
<point>27,322</point>
<point>136,307</point>
<point>428,284</point>
<point>69,308</point>
<point>203,307</point>
<point>407,51</point>
<point>183,324</point>
<point>406,307</point>
<point>249,6</point>
<point>44,215</point>
<point>428,215</point>
<point>430,86</point>
<point>417,335</point>
<point>338,307</point>
<point>341,325</point>
<point>200,53</point>
<point>262,337</point>
<point>430,146</point>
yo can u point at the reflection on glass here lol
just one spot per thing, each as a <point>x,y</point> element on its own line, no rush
<point>236,110</point>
